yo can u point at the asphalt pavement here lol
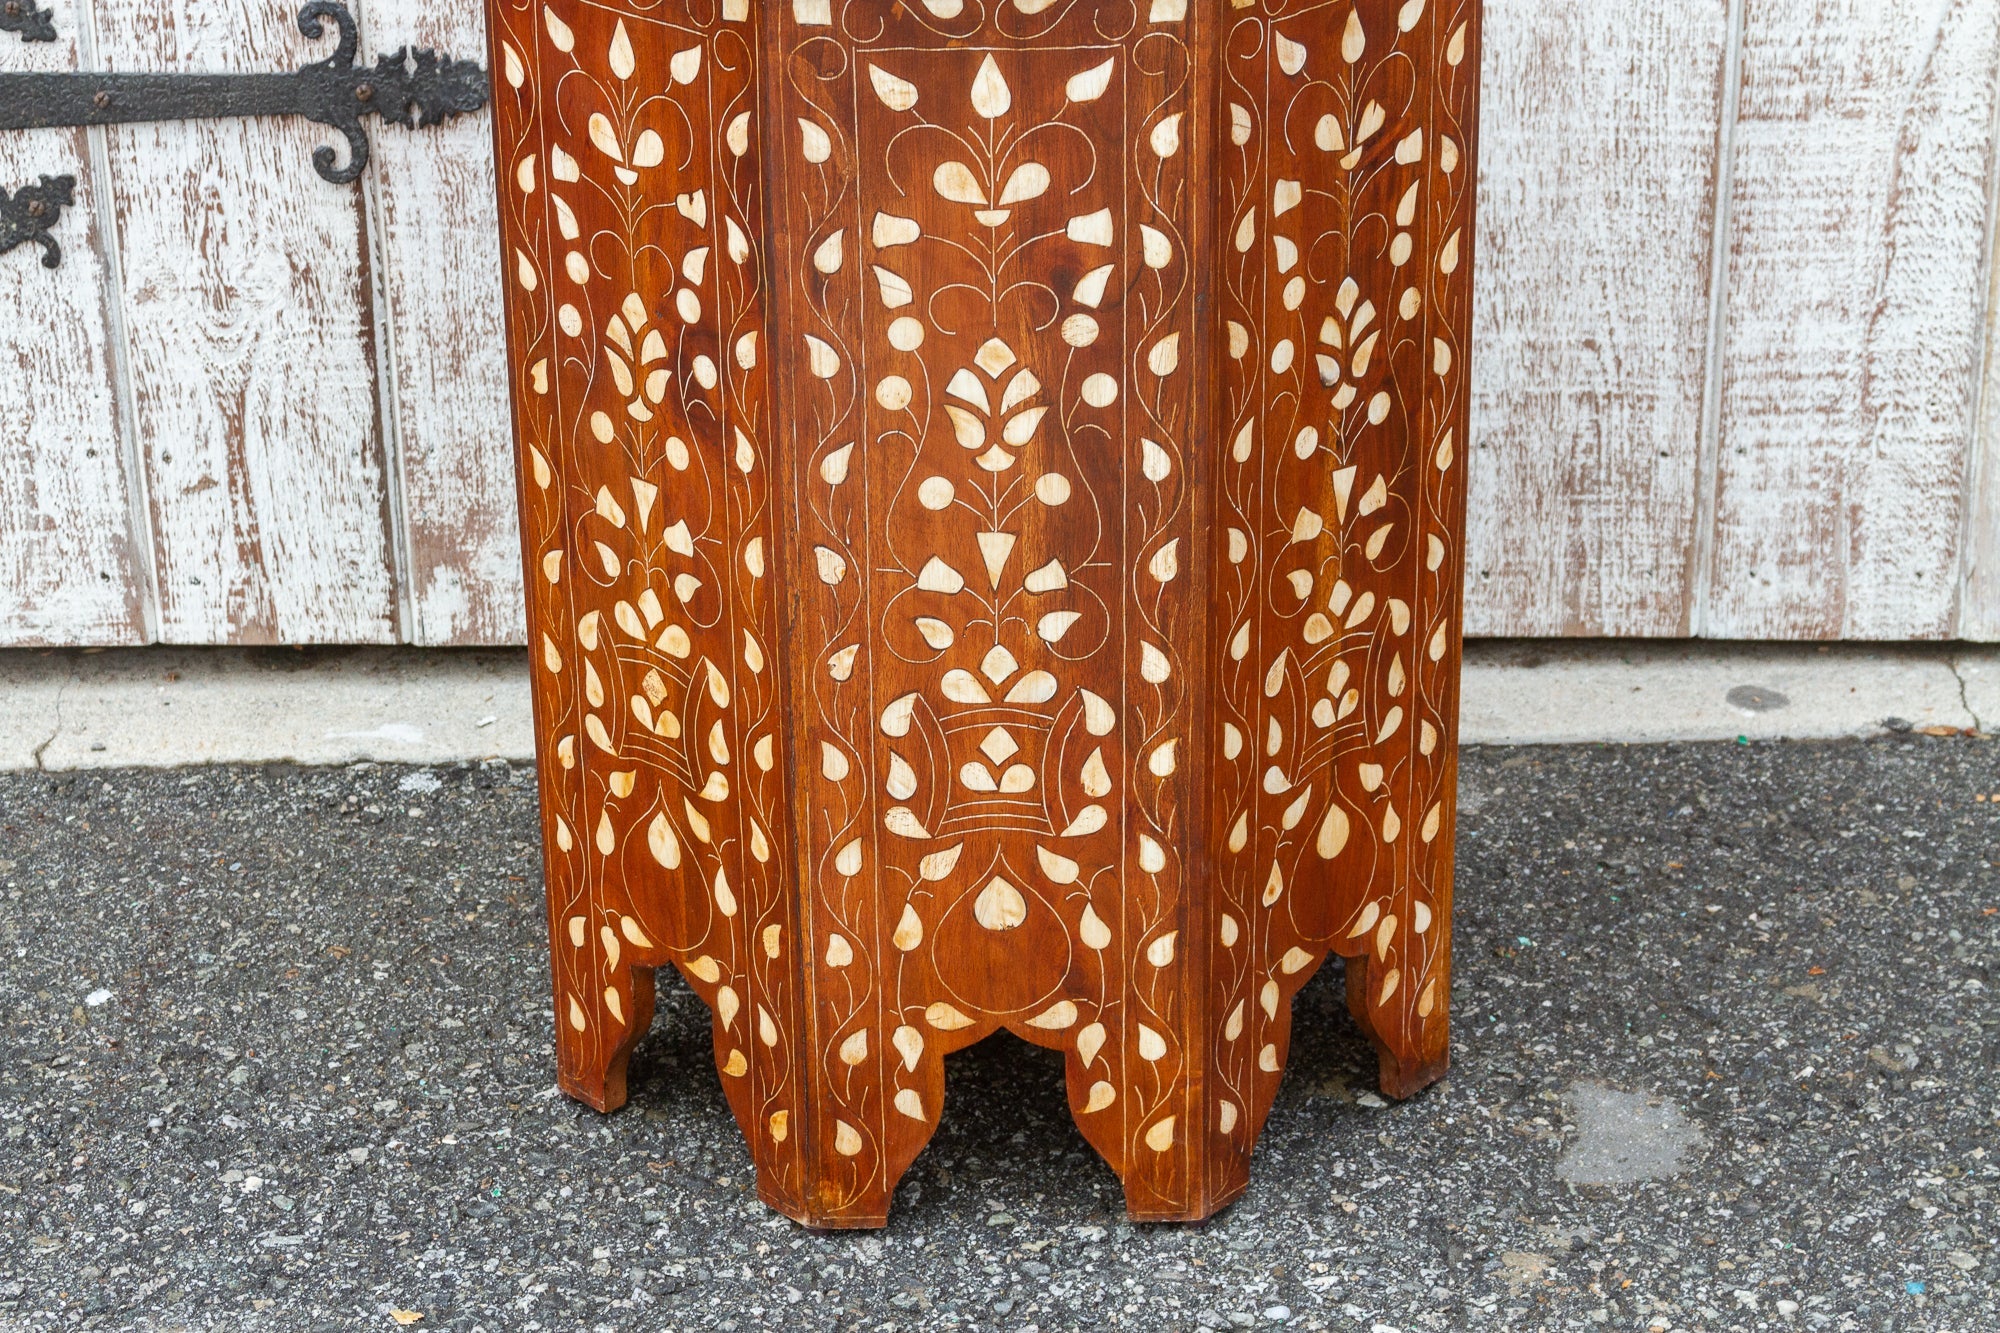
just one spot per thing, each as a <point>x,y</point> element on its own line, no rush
<point>275,1054</point>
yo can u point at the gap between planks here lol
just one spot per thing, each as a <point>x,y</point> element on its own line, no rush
<point>1721,235</point>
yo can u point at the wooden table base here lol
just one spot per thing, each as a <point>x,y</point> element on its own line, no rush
<point>991,484</point>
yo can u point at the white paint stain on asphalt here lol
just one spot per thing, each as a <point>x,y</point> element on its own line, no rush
<point>1624,1138</point>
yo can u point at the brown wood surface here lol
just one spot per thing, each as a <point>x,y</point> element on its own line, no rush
<point>992,511</point>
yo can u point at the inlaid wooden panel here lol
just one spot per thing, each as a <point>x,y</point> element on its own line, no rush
<point>635,329</point>
<point>1349,179</point>
<point>991,491</point>
<point>1002,350</point>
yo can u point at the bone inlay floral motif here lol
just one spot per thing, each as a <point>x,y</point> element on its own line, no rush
<point>991,496</point>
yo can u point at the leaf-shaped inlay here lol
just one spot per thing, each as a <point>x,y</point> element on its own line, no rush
<point>559,32</point>
<point>1029,180</point>
<point>896,94</point>
<point>1090,85</point>
<point>605,137</point>
<point>1090,291</point>
<point>955,181</point>
<point>622,62</point>
<point>990,94</point>
<point>895,290</point>
<point>1291,55</point>
<point>815,144</point>
<point>831,253</point>
<point>1000,906</point>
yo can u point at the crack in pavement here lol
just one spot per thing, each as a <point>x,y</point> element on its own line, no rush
<point>56,730</point>
<point>1965,696</point>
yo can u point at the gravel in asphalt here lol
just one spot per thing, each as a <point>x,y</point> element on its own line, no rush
<point>275,1054</point>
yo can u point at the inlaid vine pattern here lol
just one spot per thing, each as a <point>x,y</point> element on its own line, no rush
<point>631,196</point>
<point>990,498</point>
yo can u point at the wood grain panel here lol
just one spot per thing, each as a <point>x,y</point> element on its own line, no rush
<point>1863,144</point>
<point>251,351</point>
<point>70,570</point>
<point>1600,127</point>
<point>434,238</point>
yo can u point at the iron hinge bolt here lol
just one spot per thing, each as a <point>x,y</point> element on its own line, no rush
<point>102,99</point>
<point>364,92</point>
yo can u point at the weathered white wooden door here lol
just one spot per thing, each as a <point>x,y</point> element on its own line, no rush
<point>1732,328</point>
<point>252,406</point>
<point>1731,378</point>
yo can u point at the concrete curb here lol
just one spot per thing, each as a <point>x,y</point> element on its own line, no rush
<point>162,707</point>
<point>1546,692</point>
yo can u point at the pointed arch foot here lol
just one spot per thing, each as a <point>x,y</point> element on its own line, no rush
<point>591,1059</point>
<point>1142,1204</point>
<point>832,1149</point>
<point>1402,1079</point>
<point>1408,1062</point>
<point>1176,1160</point>
<point>819,1189</point>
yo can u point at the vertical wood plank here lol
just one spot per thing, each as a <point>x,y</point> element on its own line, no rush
<point>434,236</point>
<point>253,370</point>
<point>1979,596</point>
<point>1599,129</point>
<point>1979,582</point>
<point>1863,144</point>
<point>71,570</point>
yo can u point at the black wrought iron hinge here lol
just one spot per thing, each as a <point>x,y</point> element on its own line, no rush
<point>32,211</point>
<point>34,25</point>
<point>415,89</point>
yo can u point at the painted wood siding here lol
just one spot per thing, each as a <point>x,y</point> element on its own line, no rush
<point>1735,372</point>
<point>249,348</point>
<point>1598,130</point>
<point>1850,357</point>
<point>436,259</point>
<point>74,555</point>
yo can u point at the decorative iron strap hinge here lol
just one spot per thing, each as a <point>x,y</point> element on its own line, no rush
<point>414,89</point>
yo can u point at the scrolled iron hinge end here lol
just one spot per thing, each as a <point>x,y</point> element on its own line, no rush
<point>414,89</point>
<point>33,23</point>
<point>417,90</point>
<point>426,88</point>
<point>31,211</point>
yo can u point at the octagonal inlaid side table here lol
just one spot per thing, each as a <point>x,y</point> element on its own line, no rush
<point>992,493</point>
